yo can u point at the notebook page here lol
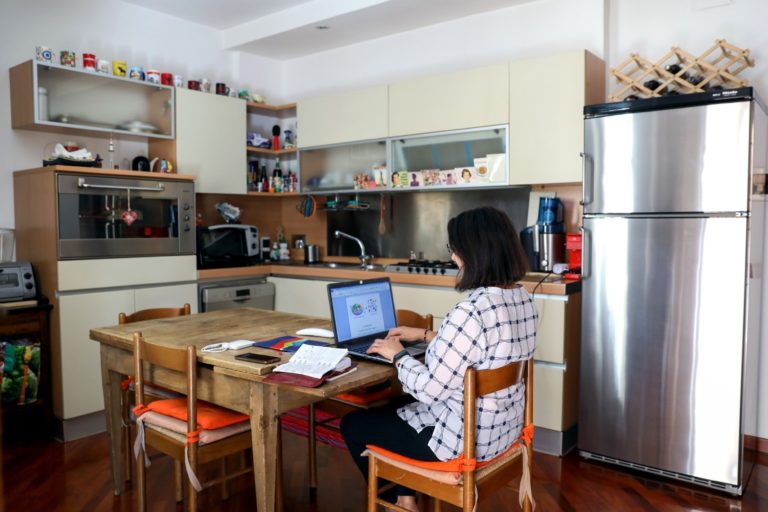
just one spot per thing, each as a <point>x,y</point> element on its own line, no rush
<point>313,361</point>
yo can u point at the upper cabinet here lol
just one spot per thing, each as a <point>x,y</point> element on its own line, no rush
<point>546,122</point>
<point>454,101</point>
<point>351,116</point>
<point>49,97</point>
<point>210,141</point>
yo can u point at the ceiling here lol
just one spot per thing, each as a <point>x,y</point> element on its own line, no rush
<point>286,29</point>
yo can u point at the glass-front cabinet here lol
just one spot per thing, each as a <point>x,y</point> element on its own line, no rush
<point>58,98</point>
<point>461,158</point>
<point>345,167</point>
<point>472,158</point>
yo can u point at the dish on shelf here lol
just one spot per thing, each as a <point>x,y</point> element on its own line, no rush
<point>138,127</point>
<point>77,162</point>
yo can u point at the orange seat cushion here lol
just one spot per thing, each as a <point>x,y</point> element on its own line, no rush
<point>209,416</point>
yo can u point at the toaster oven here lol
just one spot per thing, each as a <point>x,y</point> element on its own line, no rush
<point>17,281</point>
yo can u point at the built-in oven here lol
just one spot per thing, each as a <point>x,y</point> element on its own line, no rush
<point>114,216</point>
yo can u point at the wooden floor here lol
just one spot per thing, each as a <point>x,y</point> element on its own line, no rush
<point>50,476</point>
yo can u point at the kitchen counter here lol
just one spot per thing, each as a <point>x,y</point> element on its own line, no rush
<point>558,287</point>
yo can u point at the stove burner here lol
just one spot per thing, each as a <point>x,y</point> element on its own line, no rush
<point>427,267</point>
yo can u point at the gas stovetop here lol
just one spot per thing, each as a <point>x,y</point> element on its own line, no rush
<point>427,267</point>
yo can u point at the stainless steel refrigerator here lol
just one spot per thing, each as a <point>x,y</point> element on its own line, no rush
<point>672,284</point>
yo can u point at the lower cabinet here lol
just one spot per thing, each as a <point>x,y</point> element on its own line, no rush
<point>79,368</point>
<point>556,372</point>
<point>301,296</point>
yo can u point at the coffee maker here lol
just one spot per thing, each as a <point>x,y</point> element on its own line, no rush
<point>544,242</point>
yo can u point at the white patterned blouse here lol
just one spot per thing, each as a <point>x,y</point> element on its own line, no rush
<point>489,329</point>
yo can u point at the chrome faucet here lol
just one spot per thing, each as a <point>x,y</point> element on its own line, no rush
<point>363,257</point>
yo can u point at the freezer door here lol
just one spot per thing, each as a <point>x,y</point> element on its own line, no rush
<point>693,159</point>
<point>662,342</point>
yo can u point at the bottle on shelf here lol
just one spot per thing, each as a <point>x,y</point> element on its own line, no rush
<point>277,176</point>
<point>264,179</point>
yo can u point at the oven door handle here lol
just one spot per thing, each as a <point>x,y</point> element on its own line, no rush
<point>82,184</point>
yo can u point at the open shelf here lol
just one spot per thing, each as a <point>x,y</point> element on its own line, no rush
<point>271,152</point>
<point>49,97</point>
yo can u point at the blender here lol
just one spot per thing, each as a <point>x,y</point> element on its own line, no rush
<point>544,242</point>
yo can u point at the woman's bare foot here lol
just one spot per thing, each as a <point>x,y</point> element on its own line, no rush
<point>408,503</point>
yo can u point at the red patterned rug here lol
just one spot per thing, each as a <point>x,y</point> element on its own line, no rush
<point>296,421</point>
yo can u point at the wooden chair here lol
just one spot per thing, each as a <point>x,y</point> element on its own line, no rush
<point>127,395</point>
<point>345,403</point>
<point>191,443</point>
<point>462,484</point>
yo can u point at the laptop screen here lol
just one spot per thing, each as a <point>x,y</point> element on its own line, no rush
<point>361,309</point>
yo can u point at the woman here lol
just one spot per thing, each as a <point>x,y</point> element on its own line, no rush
<point>493,326</point>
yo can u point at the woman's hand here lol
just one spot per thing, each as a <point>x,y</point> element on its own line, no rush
<point>407,333</point>
<point>386,348</point>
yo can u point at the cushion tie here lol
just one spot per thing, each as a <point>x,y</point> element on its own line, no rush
<point>461,464</point>
<point>126,383</point>
<point>194,436</point>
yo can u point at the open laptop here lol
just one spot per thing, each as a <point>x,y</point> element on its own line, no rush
<point>361,312</point>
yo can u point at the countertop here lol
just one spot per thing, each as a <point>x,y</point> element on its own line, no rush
<point>298,269</point>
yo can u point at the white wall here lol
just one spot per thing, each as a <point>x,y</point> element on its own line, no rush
<point>113,30</point>
<point>652,27</point>
<point>521,31</point>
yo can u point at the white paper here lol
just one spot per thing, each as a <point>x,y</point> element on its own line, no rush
<point>314,361</point>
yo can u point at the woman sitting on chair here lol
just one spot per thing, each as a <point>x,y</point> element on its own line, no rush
<point>494,326</point>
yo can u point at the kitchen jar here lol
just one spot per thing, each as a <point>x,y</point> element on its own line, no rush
<point>311,253</point>
<point>42,103</point>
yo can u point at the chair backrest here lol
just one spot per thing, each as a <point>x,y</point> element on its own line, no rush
<point>482,382</point>
<point>413,319</point>
<point>153,314</point>
<point>179,359</point>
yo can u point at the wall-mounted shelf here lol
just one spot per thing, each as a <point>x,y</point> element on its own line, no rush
<point>276,194</point>
<point>49,97</point>
<point>271,109</point>
<point>271,152</point>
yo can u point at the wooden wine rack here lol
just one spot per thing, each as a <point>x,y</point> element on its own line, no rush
<point>716,67</point>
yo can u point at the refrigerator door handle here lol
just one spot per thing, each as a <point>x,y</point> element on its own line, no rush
<point>586,252</point>
<point>586,184</point>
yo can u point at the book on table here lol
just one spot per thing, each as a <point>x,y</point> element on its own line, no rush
<point>312,365</point>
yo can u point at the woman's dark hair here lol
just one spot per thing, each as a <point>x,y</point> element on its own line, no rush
<point>487,242</point>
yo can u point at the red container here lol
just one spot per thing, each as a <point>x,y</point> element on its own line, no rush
<point>89,61</point>
<point>573,241</point>
<point>166,78</point>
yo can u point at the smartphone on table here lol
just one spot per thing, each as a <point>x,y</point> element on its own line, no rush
<point>257,358</point>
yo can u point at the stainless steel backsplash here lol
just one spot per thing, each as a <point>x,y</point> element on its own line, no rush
<point>417,221</point>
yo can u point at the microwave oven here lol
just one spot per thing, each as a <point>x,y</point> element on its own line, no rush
<point>116,216</point>
<point>228,245</point>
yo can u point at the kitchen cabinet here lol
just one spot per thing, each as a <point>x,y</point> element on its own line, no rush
<point>333,168</point>
<point>301,296</point>
<point>546,130</point>
<point>49,97</point>
<point>210,141</point>
<point>556,372</point>
<point>452,101</point>
<point>351,116</point>
<point>80,360</point>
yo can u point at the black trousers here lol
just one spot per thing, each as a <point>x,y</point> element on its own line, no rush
<point>384,428</point>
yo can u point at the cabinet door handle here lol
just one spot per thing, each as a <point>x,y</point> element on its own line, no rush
<point>82,184</point>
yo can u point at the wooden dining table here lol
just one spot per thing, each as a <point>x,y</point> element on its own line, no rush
<point>222,379</point>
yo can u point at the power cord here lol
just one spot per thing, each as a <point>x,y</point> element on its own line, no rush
<point>533,293</point>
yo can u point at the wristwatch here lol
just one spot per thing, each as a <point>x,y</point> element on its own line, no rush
<point>399,356</point>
